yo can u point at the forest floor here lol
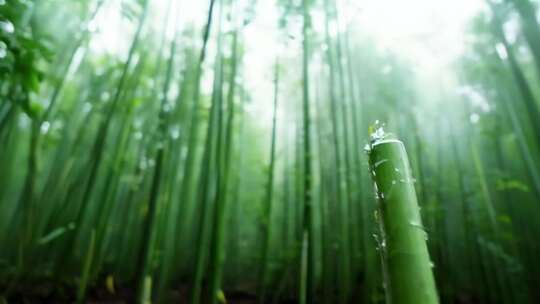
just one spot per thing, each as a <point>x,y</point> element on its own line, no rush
<point>51,292</point>
<point>57,293</point>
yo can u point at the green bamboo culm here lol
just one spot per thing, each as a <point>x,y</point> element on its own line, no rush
<point>83,284</point>
<point>409,276</point>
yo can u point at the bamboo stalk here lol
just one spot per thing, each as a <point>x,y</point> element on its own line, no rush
<point>530,28</point>
<point>224,163</point>
<point>83,284</point>
<point>268,199</point>
<point>307,225</point>
<point>528,98</point>
<point>211,171</point>
<point>410,278</point>
<point>144,272</point>
<point>194,126</point>
<point>340,199</point>
<point>98,148</point>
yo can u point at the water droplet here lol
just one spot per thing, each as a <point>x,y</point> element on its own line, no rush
<point>367,148</point>
<point>378,133</point>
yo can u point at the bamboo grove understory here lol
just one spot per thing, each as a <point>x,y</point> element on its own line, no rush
<point>257,151</point>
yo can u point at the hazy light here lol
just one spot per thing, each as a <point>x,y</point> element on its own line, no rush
<point>45,127</point>
<point>475,118</point>
<point>501,50</point>
<point>430,34</point>
<point>7,27</point>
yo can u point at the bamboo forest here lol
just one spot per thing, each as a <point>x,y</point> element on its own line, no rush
<point>270,151</point>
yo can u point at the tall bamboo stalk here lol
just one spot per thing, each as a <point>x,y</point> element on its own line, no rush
<point>340,199</point>
<point>268,197</point>
<point>210,179</point>
<point>525,90</point>
<point>29,192</point>
<point>98,149</point>
<point>307,292</point>
<point>530,28</point>
<point>193,136</point>
<point>144,273</point>
<point>410,278</point>
<point>218,251</point>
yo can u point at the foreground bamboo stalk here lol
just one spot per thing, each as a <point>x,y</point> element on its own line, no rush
<point>409,275</point>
